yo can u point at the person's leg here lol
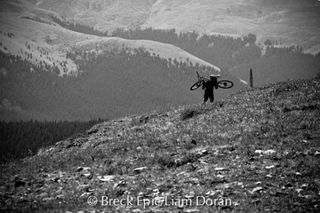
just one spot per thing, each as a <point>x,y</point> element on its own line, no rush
<point>205,98</point>
<point>211,97</point>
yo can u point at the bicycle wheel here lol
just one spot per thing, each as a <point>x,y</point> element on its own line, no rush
<point>225,84</point>
<point>196,85</point>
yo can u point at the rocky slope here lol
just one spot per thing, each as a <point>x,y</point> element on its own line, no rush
<point>257,150</point>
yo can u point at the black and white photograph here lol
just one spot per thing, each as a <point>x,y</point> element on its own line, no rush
<point>151,106</point>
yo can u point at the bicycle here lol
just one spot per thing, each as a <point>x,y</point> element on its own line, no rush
<point>223,84</point>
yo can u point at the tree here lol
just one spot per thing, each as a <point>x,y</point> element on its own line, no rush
<point>268,42</point>
<point>250,38</point>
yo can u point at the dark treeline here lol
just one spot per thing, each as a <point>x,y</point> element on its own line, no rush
<point>237,55</point>
<point>19,139</point>
<point>222,50</point>
<point>81,28</point>
<point>134,58</point>
<point>216,49</point>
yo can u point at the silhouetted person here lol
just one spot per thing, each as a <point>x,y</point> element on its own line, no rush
<point>208,88</point>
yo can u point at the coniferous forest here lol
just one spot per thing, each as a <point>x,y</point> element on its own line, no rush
<point>24,138</point>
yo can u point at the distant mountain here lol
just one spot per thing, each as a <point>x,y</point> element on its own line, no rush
<point>88,76</point>
<point>291,22</point>
<point>27,30</point>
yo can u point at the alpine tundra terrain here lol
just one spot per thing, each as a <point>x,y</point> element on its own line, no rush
<point>81,60</point>
<point>254,151</point>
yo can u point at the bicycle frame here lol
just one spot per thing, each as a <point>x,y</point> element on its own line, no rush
<point>223,84</point>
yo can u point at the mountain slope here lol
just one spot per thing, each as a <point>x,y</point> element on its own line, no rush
<point>31,34</point>
<point>86,71</point>
<point>291,22</point>
<point>254,151</point>
<point>165,51</point>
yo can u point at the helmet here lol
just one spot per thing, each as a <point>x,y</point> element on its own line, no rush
<point>215,75</point>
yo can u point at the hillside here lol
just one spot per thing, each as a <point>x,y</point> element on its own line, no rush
<point>33,35</point>
<point>258,149</point>
<point>51,72</point>
<point>291,22</point>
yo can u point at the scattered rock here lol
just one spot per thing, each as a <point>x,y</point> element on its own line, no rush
<point>220,169</point>
<point>140,169</point>
<point>79,169</point>
<point>265,152</point>
<point>60,197</point>
<point>121,183</point>
<point>269,167</point>
<point>256,189</point>
<point>212,193</point>
<point>92,131</point>
<point>191,210</point>
<point>86,194</point>
<point>44,194</point>
<point>106,178</point>
<point>47,199</point>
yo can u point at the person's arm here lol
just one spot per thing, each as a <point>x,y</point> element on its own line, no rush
<point>204,85</point>
<point>216,84</point>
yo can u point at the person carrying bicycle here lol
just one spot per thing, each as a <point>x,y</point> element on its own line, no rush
<point>208,87</point>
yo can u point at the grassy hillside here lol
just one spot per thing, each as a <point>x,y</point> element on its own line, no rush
<point>257,150</point>
<point>291,21</point>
